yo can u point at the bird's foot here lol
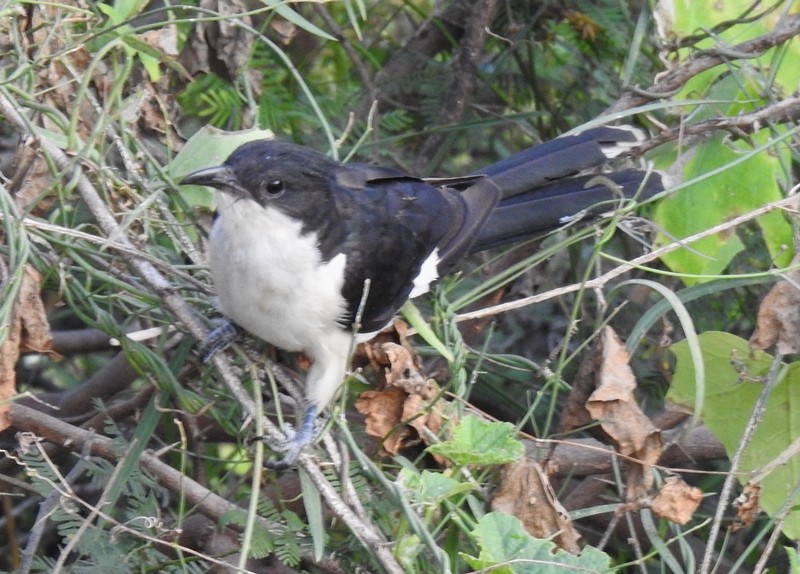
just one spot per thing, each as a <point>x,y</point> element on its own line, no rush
<point>296,441</point>
<point>218,339</point>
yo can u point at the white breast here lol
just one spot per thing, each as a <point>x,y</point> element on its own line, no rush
<point>270,278</point>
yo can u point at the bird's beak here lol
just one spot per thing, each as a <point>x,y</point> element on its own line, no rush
<point>220,177</point>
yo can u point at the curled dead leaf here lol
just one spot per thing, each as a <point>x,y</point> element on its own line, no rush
<point>407,411</point>
<point>778,321</point>
<point>285,30</point>
<point>401,368</point>
<point>526,492</point>
<point>748,506</point>
<point>399,419</point>
<point>613,404</point>
<point>676,501</point>
<point>28,331</point>
<point>384,411</point>
<point>31,178</point>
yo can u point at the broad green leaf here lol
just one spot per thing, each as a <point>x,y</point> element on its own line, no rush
<point>431,487</point>
<point>738,189</point>
<point>733,383</point>
<point>505,547</point>
<point>682,18</point>
<point>476,441</point>
<point>207,148</point>
<point>406,548</point>
<point>125,9</point>
<point>745,185</point>
<point>147,54</point>
<point>794,560</point>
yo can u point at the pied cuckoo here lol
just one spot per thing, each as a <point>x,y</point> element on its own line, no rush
<point>297,235</point>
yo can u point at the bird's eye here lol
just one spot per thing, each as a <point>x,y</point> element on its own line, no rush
<point>274,188</point>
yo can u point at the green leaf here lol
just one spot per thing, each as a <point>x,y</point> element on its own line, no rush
<point>406,549</point>
<point>733,383</point>
<point>689,17</point>
<point>289,14</point>
<point>476,441</point>
<point>152,365</point>
<point>312,501</point>
<point>794,560</point>
<point>744,185</point>
<point>431,487</point>
<point>150,56</point>
<point>207,148</point>
<point>738,189</point>
<point>505,547</point>
<point>416,320</point>
<point>125,9</point>
<point>261,544</point>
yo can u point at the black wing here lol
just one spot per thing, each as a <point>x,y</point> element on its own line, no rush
<point>395,224</point>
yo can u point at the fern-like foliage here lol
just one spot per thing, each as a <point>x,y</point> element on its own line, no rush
<point>214,100</point>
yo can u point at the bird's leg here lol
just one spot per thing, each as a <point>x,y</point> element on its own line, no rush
<point>218,339</point>
<point>296,441</point>
<point>324,379</point>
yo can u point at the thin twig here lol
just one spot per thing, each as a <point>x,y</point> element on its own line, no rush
<point>789,202</point>
<point>676,78</point>
<point>731,479</point>
<point>777,528</point>
<point>58,432</point>
<point>785,112</point>
<point>47,506</point>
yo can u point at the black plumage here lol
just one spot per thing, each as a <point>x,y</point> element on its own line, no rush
<point>299,234</point>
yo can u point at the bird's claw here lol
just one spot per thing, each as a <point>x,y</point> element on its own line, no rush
<point>296,441</point>
<point>218,339</point>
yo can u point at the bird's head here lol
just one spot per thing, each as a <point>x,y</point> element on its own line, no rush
<point>270,172</point>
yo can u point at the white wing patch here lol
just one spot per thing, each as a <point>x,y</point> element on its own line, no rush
<point>613,150</point>
<point>428,273</point>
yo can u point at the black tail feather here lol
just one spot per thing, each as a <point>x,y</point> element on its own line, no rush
<point>550,206</point>
<point>562,157</point>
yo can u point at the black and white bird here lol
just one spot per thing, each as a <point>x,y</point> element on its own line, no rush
<point>298,235</point>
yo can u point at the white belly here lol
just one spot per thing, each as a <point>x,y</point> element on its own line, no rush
<point>270,279</point>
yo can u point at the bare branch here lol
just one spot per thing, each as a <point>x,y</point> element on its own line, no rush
<point>784,112</point>
<point>670,82</point>
<point>602,280</point>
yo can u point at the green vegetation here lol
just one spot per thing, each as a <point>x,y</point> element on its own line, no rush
<point>128,454</point>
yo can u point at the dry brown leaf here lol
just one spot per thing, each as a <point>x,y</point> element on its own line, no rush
<point>219,46</point>
<point>614,406</point>
<point>778,320</point>
<point>584,24</point>
<point>401,368</point>
<point>31,178</point>
<point>149,115</point>
<point>525,492</point>
<point>387,410</point>
<point>384,411</point>
<point>405,413</point>
<point>371,354</point>
<point>56,80</point>
<point>164,39</point>
<point>28,331</point>
<point>285,30</point>
<point>748,506</point>
<point>574,414</point>
<point>676,501</point>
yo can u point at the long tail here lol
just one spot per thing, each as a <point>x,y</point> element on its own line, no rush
<point>541,188</point>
